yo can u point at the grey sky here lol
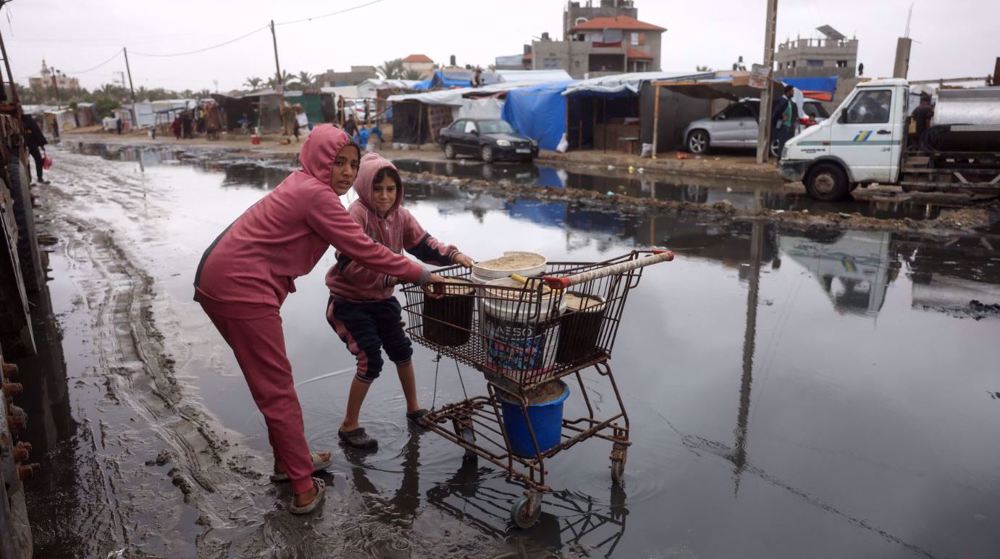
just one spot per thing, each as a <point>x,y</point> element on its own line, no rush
<point>955,38</point>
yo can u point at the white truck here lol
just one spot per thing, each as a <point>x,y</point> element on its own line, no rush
<point>867,141</point>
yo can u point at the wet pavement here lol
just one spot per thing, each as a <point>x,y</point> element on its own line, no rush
<point>790,395</point>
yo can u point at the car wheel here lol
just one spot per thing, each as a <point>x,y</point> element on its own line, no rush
<point>486,153</point>
<point>449,151</point>
<point>827,182</point>
<point>775,149</point>
<point>698,142</point>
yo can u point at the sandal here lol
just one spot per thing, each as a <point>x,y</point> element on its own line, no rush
<point>318,466</point>
<point>418,418</point>
<point>311,505</point>
<point>357,438</point>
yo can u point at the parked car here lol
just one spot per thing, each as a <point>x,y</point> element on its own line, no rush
<point>736,126</point>
<point>489,139</point>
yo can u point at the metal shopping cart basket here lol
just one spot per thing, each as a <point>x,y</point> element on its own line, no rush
<point>525,335</point>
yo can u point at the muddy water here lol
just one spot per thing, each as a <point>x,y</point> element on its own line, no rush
<point>789,396</point>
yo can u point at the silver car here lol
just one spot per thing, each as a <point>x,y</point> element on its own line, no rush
<point>736,126</point>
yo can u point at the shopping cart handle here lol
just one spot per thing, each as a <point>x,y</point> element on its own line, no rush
<point>563,282</point>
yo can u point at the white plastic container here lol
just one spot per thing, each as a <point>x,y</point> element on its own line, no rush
<point>519,328</point>
<point>483,272</point>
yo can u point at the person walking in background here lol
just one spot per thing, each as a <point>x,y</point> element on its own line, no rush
<point>118,125</point>
<point>922,116</point>
<point>245,275</point>
<point>784,118</point>
<point>35,141</point>
<point>362,309</point>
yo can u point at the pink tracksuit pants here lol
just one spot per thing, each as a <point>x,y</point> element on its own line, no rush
<point>259,346</point>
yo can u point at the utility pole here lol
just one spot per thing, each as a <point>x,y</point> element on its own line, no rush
<point>278,85</point>
<point>764,128</point>
<point>135,119</point>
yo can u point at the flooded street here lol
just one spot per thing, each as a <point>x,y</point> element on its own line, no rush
<point>790,395</point>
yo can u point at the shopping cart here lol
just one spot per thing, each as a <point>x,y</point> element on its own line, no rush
<point>525,335</point>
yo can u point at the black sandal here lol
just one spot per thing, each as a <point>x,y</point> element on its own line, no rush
<point>418,418</point>
<point>357,438</point>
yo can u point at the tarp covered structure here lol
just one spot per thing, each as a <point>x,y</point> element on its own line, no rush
<point>605,113</point>
<point>539,112</point>
<point>538,76</point>
<point>821,89</point>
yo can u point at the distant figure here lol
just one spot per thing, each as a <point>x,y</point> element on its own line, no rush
<point>351,127</point>
<point>187,123</point>
<point>375,138</point>
<point>477,78</point>
<point>861,69</point>
<point>362,138</point>
<point>922,116</point>
<point>118,125</point>
<point>55,128</point>
<point>784,118</point>
<point>35,141</point>
<point>739,65</point>
<point>175,127</point>
<point>244,123</point>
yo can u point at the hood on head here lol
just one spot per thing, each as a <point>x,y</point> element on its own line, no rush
<point>320,149</point>
<point>364,185</point>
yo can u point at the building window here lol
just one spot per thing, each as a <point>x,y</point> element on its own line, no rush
<point>841,64</point>
<point>814,63</point>
<point>581,37</point>
<point>635,39</point>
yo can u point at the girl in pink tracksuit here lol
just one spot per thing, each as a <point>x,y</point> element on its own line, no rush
<point>362,308</point>
<point>246,273</point>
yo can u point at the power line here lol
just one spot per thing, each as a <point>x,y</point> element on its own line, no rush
<point>113,56</point>
<point>196,51</point>
<point>338,12</point>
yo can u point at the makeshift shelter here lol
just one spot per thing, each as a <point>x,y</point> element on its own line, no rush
<point>539,112</point>
<point>605,113</point>
<point>86,114</point>
<point>820,89</point>
<point>675,103</point>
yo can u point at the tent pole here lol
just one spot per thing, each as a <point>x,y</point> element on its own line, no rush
<point>656,118</point>
<point>420,123</point>
<point>604,118</point>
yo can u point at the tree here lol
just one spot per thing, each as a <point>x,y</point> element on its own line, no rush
<point>253,83</point>
<point>410,75</point>
<point>391,69</point>
<point>306,79</point>
<point>286,78</point>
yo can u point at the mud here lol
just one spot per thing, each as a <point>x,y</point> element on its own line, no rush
<point>814,372</point>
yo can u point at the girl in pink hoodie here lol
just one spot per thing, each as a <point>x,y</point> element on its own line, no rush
<point>362,308</point>
<point>246,273</point>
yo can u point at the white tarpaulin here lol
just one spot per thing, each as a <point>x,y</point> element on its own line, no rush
<point>537,76</point>
<point>484,107</point>
<point>618,83</point>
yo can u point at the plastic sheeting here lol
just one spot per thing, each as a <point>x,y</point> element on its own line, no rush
<point>538,112</point>
<point>489,107</point>
<point>627,84</point>
<point>821,89</point>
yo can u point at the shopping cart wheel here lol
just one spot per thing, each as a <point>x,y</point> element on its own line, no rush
<point>526,510</point>
<point>619,454</point>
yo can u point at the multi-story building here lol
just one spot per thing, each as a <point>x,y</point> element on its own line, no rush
<point>603,39</point>
<point>833,55</point>
<point>420,63</point>
<point>47,76</point>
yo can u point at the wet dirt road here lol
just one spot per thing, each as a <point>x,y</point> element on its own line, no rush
<point>791,395</point>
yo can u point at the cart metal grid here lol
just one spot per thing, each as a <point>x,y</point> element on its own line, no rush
<point>522,334</point>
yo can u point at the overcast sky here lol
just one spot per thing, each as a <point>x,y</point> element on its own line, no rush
<point>954,39</point>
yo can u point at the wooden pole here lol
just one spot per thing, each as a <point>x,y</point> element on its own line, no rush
<point>278,86</point>
<point>656,118</point>
<point>764,127</point>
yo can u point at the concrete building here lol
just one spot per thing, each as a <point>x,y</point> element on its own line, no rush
<point>833,55</point>
<point>419,63</point>
<point>597,40</point>
<point>46,77</point>
<point>357,75</point>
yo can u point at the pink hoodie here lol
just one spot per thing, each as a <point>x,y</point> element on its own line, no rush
<point>251,266</point>
<point>398,230</point>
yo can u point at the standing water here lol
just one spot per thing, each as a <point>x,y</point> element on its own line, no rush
<point>832,396</point>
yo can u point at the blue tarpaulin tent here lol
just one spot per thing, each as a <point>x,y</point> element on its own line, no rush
<point>815,88</point>
<point>538,112</point>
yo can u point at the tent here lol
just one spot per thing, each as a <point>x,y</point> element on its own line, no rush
<point>821,89</point>
<point>539,112</point>
<point>605,113</point>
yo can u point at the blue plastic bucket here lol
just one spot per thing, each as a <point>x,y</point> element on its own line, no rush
<point>546,420</point>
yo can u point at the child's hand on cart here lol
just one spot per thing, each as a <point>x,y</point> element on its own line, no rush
<point>463,259</point>
<point>434,289</point>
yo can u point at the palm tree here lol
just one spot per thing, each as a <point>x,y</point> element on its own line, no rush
<point>410,74</point>
<point>286,78</point>
<point>391,69</point>
<point>253,83</point>
<point>306,79</point>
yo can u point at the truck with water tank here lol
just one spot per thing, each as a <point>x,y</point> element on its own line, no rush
<point>868,140</point>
